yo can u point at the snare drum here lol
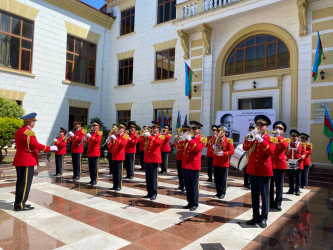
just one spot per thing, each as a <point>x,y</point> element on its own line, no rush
<point>239,159</point>
<point>293,164</point>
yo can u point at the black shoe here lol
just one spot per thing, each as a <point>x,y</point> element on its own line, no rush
<point>153,198</point>
<point>272,206</point>
<point>25,208</point>
<point>183,189</point>
<point>90,182</point>
<point>302,186</point>
<point>117,189</point>
<point>113,188</point>
<point>146,196</point>
<point>290,192</point>
<point>93,183</point>
<point>131,177</point>
<point>76,178</point>
<point>126,177</point>
<point>27,205</point>
<point>251,222</point>
<point>298,193</point>
<point>249,187</point>
<point>278,208</point>
<point>193,208</point>
<point>221,196</point>
<point>210,180</point>
<point>187,206</point>
<point>216,196</point>
<point>263,223</point>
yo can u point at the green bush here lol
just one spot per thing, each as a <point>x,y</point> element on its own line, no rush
<point>8,128</point>
<point>9,108</point>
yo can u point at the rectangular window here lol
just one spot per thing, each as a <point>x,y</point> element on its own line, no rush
<point>127,21</point>
<point>167,116</point>
<point>16,37</point>
<point>80,61</point>
<point>125,74</point>
<point>255,103</point>
<point>80,114</point>
<point>166,10</point>
<point>165,64</point>
<point>123,116</point>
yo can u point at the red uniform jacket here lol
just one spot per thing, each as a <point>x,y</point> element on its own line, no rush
<point>297,153</point>
<point>131,144</point>
<point>76,139</point>
<point>192,154</point>
<point>180,150</point>
<point>210,143</point>
<point>142,141</point>
<point>153,151</point>
<point>27,148</point>
<point>110,146</point>
<point>279,158</point>
<point>166,146</point>
<point>260,163</point>
<point>94,143</point>
<point>61,146</point>
<point>308,149</point>
<point>118,148</point>
<point>227,146</point>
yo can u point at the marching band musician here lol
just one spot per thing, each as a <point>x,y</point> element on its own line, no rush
<point>247,183</point>
<point>223,149</point>
<point>306,161</point>
<point>77,148</point>
<point>26,158</point>
<point>94,152</point>
<point>259,168</point>
<point>110,148</point>
<point>179,144</point>
<point>210,152</point>
<point>152,158</point>
<point>131,150</point>
<point>165,149</point>
<point>120,141</point>
<point>142,141</point>
<point>279,165</point>
<point>191,164</point>
<point>61,143</point>
<point>295,151</point>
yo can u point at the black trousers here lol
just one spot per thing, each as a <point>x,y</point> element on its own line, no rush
<point>129,164</point>
<point>142,155</point>
<point>191,178</point>
<point>151,170</point>
<point>305,175</point>
<point>246,178</point>
<point>180,174</point>
<point>117,174</point>
<point>164,164</point>
<point>23,185</point>
<point>277,180</point>
<point>294,174</point>
<point>110,162</point>
<point>220,177</point>
<point>210,167</point>
<point>76,159</point>
<point>259,187</point>
<point>59,160</point>
<point>93,168</point>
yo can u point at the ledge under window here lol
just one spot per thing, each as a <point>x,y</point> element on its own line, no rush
<point>165,80</point>
<point>17,72</point>
<point>124,86</point>
<point>126,35</point>
<point>165,23</point>
<point>78,84</point>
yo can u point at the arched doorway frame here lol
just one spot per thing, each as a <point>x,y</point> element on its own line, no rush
<point>255,29</point>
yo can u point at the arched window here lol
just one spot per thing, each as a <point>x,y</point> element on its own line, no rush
<point>257,53</point>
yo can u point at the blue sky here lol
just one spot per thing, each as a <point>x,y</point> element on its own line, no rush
<point>94,3</point>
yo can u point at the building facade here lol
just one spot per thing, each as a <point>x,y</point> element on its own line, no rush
<point>243,53</point>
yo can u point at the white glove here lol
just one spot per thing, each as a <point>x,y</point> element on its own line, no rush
<point>147,134</point>
<point>88,135</point>
<point>214,146</point>
<point>259,138</point>
<point>71,134</point>
<point>53,148</point>
<point>130,139</point>
<point>220,153</point>
<point>55,140</point>
<point>113,137</point>
<point>182,138</point>
<point>188,137</point>
<point>278,133</point>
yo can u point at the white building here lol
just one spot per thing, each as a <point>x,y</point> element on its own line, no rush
<point>272,41</point>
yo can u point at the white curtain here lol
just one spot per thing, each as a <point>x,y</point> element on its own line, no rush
<point>4,44</point>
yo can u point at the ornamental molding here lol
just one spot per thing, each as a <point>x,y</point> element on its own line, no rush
<point>206,33</point>
<point>302,17</point>
<point>122,4</point>
<point>184,41</point>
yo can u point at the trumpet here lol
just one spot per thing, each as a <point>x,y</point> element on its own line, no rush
<point>218,142</point>
<point>251,136</point>
<point>113,131</point>
<point>67,136</point>
<point>86,137</point>
<point>178,134</point>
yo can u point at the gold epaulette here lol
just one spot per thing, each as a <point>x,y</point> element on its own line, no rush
<point>230,141</point>
<point>274,140</point>
<point>29,132</point>
<point>170,135</point>
<point>303,145</point>
<point>162,137</point>
<point>84,131</point>
<point>203,139</point>
<point>310,145</point>
<point>100,133</point>
<point>126,136</point>
<point>287,140</point>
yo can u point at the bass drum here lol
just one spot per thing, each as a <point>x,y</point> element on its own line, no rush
<point>239,159</point>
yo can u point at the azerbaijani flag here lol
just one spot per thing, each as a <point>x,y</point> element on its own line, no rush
<point>317,61</point>
<point>162,122</point>
<point>178,121</point>
<point>185,121</point>
<point>188,81</point>
<point>166,120</point>
<point>328,132</point>
<point>159,117</point>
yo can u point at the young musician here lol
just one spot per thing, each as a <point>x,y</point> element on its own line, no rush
<point>247,183</point>
<point>165,149</point>
<point>61,143</point>
<point>110,148</point>
<point>142,143</point>
<point>306,161</point>
<point>131,150</point>
<point>210,152</point>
